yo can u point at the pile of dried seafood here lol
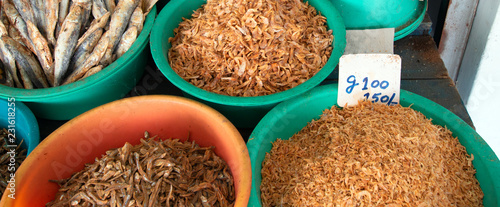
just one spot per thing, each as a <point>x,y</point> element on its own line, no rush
<point>56,42</point>
<point>8,165</point>
<point>370,155</point>
<point>153,173</point>
<point>250,47</point>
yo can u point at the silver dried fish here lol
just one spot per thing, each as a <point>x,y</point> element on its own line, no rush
<point>137,20</point>
<point>98,8</point>
<point>42,50</point>
<point>52,17</point>
<point>128,38</point>
<point>9,63</point>
<point>66,43</point>
<point>26,61</point>
<point>83,50</point>
<point>17,22</point>
<point>92,60</point>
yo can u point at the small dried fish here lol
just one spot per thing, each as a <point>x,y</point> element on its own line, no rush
<point>119,20</point>
<point>128,38</point>
<point>3,29</point>
<point>147,5</point>
<point>153,173</point>
<point>64,6</point>
<point>38,8</point>
<point>87,10</point>
<point>42,50</point>
<point>26,61</point>
<point>83,50</point>
<point>5,163</point>
<point>95,25</point>
<point>92,60</point>
<point>6,77</point>
<point>9,63</point>
<point>98,8</point>
<point>27,83</point>
<point>92,71</point>
<point>66,43</point>
<point>52,17</point>
<point>110,5</point>
<point>137,20</point>
<point>17,22</point>
<point>24,8</point>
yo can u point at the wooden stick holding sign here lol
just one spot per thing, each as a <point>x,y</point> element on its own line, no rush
<point>373,77</point>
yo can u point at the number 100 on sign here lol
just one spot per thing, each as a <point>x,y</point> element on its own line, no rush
<point>373,77</point>
<point>372,84</point>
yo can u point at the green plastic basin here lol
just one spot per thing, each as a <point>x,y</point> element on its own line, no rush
<point>111,83</point>
<point>403,15</point>
<point>290,117</point>
<point>241,111</point>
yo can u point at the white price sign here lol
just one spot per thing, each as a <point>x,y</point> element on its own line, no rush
<point>373,77</point>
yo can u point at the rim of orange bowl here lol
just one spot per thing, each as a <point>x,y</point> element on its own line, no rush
<point>170,15</point>
<point>245,180</point>
<point>101,76</point>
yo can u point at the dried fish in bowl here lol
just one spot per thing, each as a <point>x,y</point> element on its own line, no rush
<point>370,155</point>
<point>250,48</point>
<point>8,165</point>
<point>154,173</point>
<point>48,41</point>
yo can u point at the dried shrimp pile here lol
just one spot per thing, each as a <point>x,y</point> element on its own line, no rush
<point>370,155</point>
<point>250,47</point>
<point>7,165</point>
<point>56,42</point>
<point>153,173</point>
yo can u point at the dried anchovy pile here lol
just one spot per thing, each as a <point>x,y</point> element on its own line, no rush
<point>5,159</point>
<point>153,173</point>
<point>48,43</point>
<point>370,155</point>
<point>250,47</point>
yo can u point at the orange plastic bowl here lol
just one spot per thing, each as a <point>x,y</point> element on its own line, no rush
<point>109,126</point>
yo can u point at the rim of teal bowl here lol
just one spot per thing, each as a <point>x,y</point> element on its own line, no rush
<point>103,75</point>
<point>417,102</point>
<point>422,7</point>
<point>167,16</point>
<point>24,115</point>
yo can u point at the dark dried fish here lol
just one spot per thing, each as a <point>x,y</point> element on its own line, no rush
<point>9,63</point>
<point>84,49</point>
<point>66,43</point>
<point>4,162</point>
<point>42,51</point>
<point>26,62</point>
<point>98,8</point>
<point>153,173</point>
<point>92,60</point>
<point>17,22</point>
<point>128,38</point>
<point>52,17</point>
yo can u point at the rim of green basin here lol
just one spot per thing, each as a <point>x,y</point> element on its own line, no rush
<point>104,75</point>
<point>170,17</point>
<point>260,141</point>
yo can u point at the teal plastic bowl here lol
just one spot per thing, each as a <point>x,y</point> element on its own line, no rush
<point>290,117</point>
<point>25,124</point>
<point>243,112</point>
<point>405,16</point>
<point>111,83</point>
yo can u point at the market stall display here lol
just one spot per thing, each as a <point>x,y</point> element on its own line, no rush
<point>110,126</point>
<point>111,83</point>
<point>247,111</point>
<point>289,118</point>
